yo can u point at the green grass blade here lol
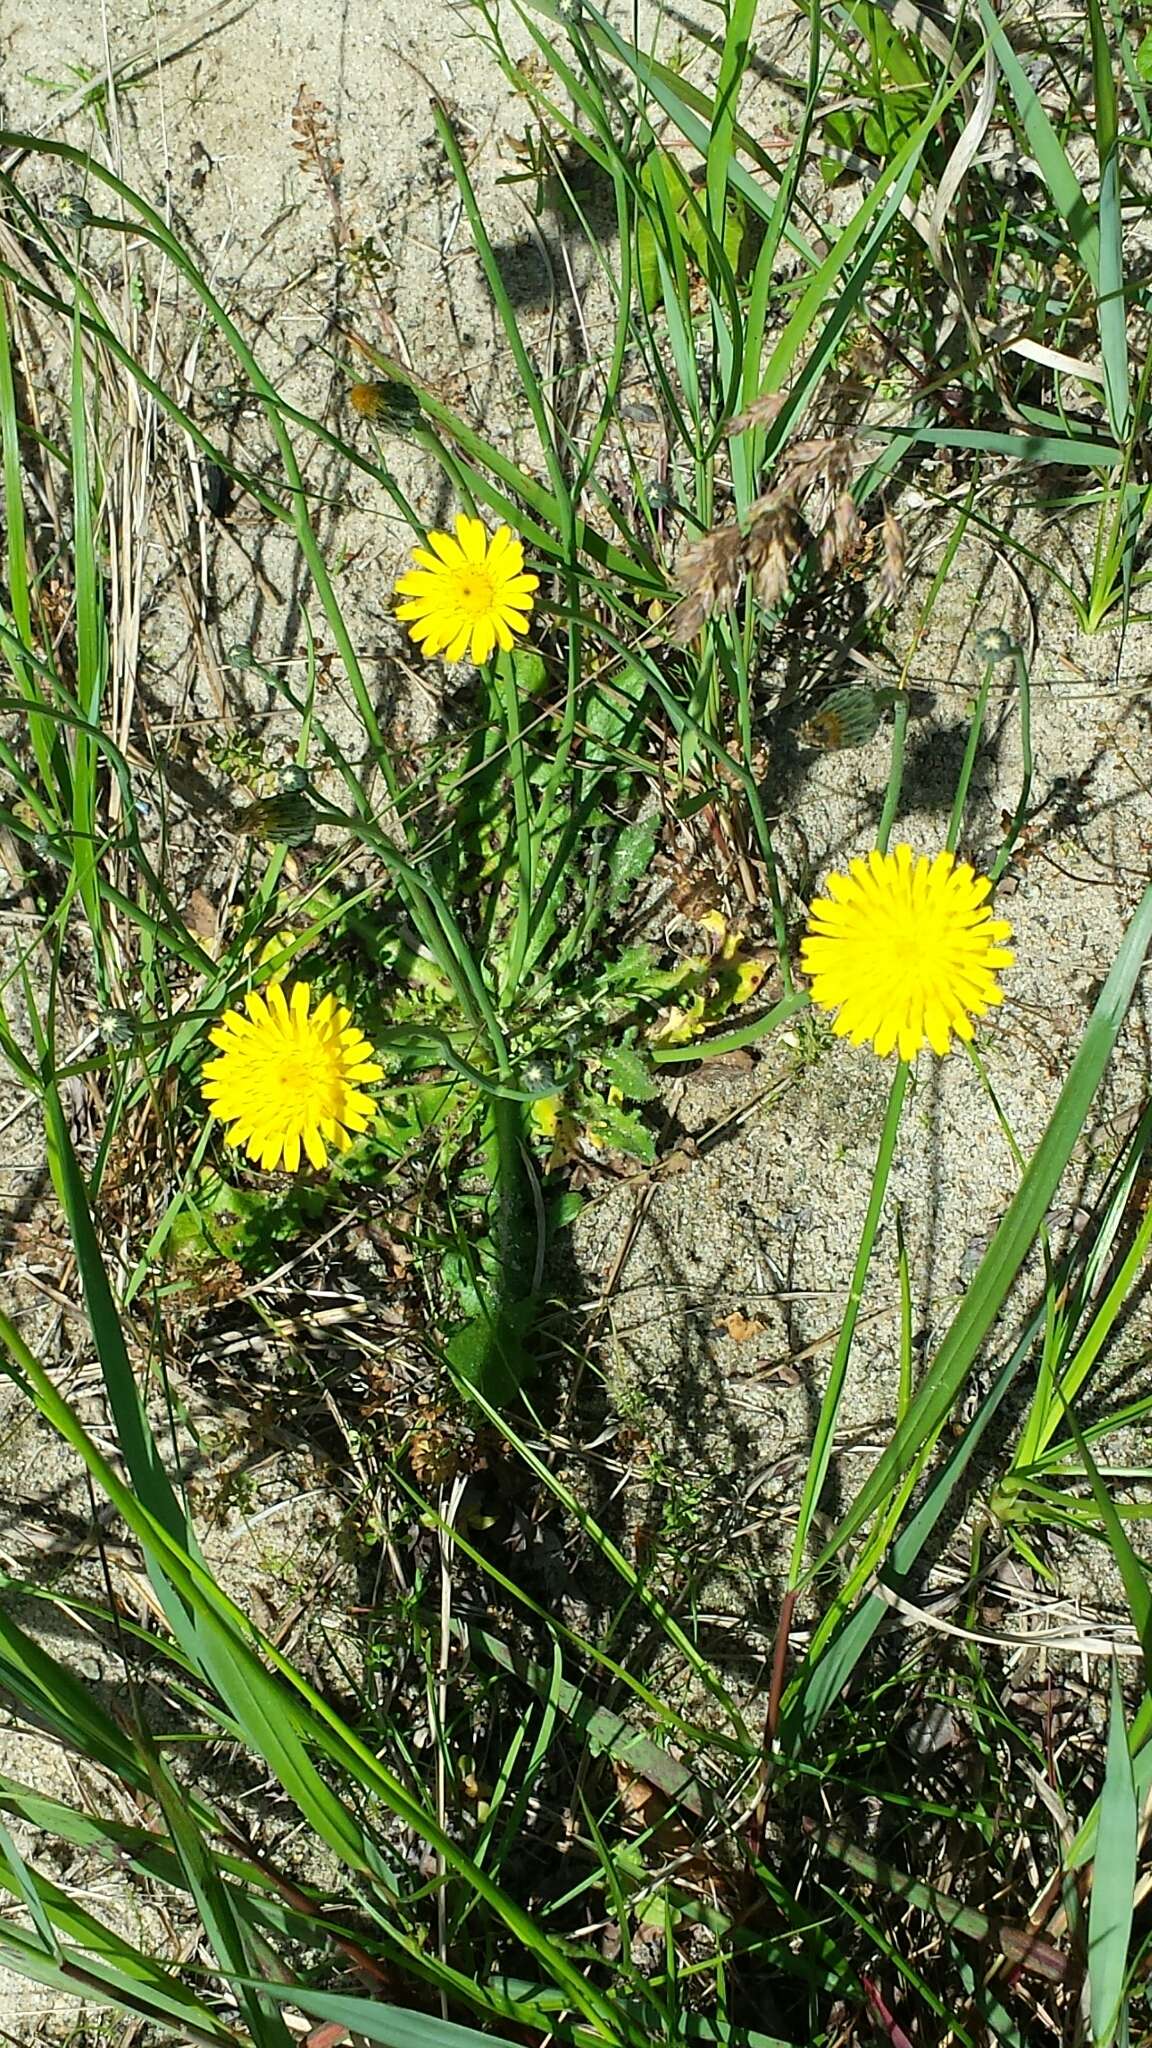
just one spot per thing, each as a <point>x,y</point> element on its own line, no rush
<point>1112,310</point>
<point>691,111</point>
<point>50,1693</point>
<point>820,1456</point>
<point>26,1888</point>
<point>214,1905</point>
<point>1063,452</point>
<point>82,1972</point>
<point>1137,1590</point>
<point>720,155</point>
<point>42,735</point>
<point>835,1654</point>
<point>393,2027</point>
<point>1064,186</point>
<point>152,227</point>
<point>277,1721</point>
<point>390,2025</point>
<point>1113,1880</point>
<point>529,382</point>
<point>134,1436</point>
<point>734,1041</point>
<point>627,1572</point>
<point>200,1617</point>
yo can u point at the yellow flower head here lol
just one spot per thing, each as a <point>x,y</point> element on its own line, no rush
<point>285,1078</point>
<point>467,595</point>
<point>906,951</point>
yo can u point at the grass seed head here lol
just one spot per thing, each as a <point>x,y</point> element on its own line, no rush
<point>712,567</point>
<point>823,461</point>
<point>761,413</point>
<point>776,540</point>
<point>709,571</point>
<point>841,535</point>
<point>895,558</point>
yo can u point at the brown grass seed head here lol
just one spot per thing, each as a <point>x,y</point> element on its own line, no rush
<point>761,413</point>
<point>709,571</point>
<point>895,558</point>
<point>712,567</point>
<point>841,534</point>
<point>777,538</point>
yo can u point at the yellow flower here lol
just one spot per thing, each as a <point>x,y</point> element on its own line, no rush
<point>286,1078</point>
<point>467,594</point>
<point>905,951</point>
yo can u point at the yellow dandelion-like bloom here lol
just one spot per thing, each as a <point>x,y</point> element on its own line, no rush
<point>906,951</point>
<point>290,1077</point>
<point>468,595</point>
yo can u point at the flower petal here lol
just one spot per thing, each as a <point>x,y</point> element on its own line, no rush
<point>472,538</point>
<point>291,1078</point>
<point>448,550</point>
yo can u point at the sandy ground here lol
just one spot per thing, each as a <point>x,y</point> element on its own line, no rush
<point>763,1221</point>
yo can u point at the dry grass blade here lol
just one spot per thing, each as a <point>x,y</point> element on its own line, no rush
<point>961,160</point>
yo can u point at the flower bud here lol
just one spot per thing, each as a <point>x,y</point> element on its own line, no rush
<point>73,209</point>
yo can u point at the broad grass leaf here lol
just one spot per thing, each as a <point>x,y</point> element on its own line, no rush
<point>1113,1880</point>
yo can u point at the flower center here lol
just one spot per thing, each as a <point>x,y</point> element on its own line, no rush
<point>310,1080</point>
<point>474,592</point>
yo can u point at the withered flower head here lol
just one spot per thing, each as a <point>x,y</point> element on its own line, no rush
<point>392,406</point>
